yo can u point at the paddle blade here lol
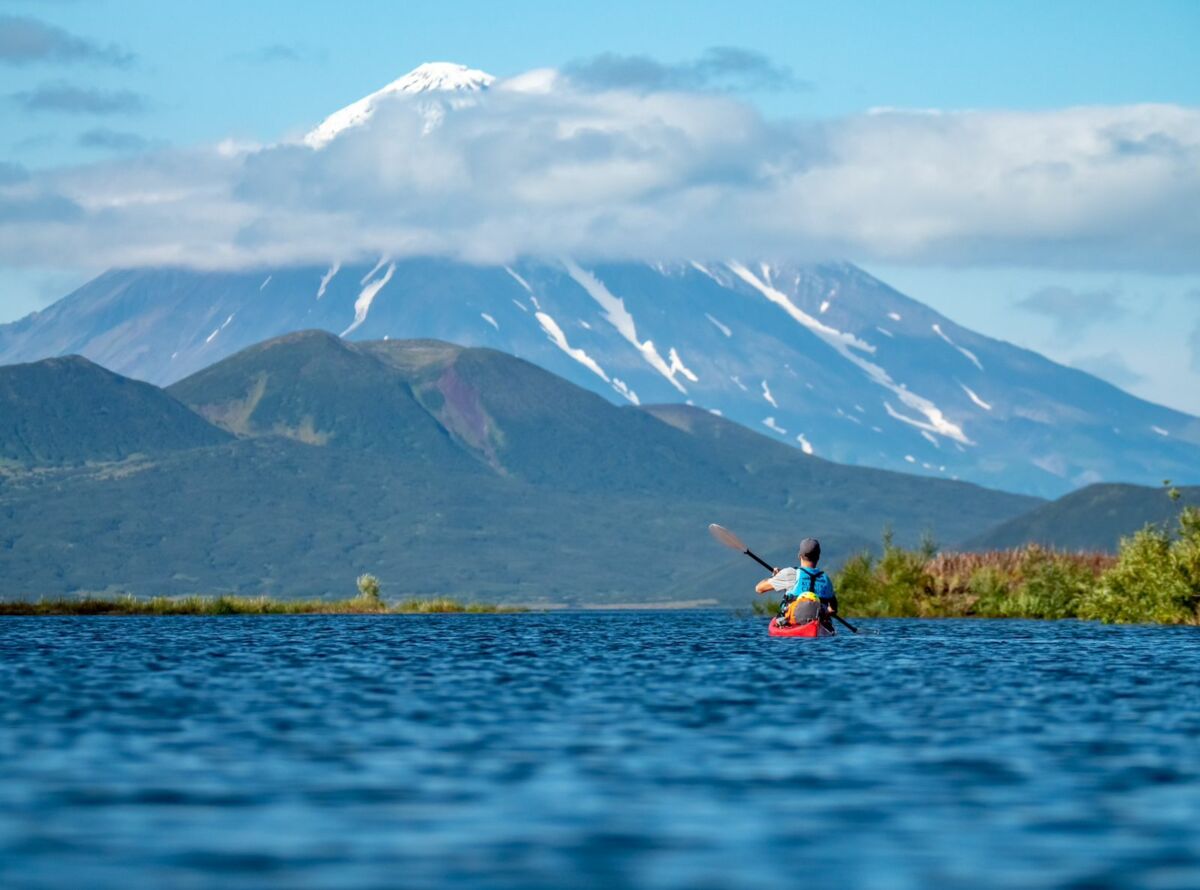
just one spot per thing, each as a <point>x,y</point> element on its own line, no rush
<point>728,538</point>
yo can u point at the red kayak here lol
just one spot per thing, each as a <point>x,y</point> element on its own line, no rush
<point>811,629</point>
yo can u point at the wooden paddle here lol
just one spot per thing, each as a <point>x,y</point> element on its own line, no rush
<point>733,542</point>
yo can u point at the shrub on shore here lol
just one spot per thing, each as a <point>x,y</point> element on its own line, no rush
<point>368,591</point>
<point>1154,578</point>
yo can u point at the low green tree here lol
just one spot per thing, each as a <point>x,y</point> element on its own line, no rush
<point>1156,577</point>
<point>368,591</point>
<point>1048,585</point>
<point>897,584</point>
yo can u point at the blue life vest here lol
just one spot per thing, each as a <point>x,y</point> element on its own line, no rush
<point>812,581</point>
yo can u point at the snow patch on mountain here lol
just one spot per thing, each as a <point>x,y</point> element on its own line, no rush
<point>518,279</point>
<point>431,78</point>
<point>559,339</point>
<point>724,329</point>
<point>844,343</point>
<point>619,385</point>
<point>374,269</point>
<point>677,366</point>
<point>620,318</point>
<point>975,398</point>
<point>937,329</point>
<point>363,304</point>
<point>704,270</point>
<point>216,331</point>
<point>920,424</point>
<point>326,278</point>
<point>839,340</point>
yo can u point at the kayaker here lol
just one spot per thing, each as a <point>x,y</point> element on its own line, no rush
<point>807,592</point>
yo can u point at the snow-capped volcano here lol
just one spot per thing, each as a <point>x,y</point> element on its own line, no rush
<point>824,357</point>
<point>432,77</point>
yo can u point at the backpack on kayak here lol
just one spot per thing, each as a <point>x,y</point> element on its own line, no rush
<point>801,606</point>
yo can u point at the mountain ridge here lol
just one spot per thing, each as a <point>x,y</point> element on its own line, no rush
<point>1096,517</point>
<point>93,416</point>
<point>497,473</point>
<point>824,357</point>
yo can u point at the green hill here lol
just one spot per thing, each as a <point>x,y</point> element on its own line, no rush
<point>1093,518</point>
<point>70,411</point>
<point>446,470</point>
<point>315,388</point>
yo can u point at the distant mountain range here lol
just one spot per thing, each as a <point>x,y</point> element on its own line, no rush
<point>1093,518</point>
<point>296,464</point>
<point>825,358</point>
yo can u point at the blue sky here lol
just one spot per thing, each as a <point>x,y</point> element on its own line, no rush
<point>128,79</point>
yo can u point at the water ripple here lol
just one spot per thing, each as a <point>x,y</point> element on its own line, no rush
<point>608,750</point>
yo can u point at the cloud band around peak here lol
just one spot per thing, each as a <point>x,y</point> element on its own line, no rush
<point>636,173</point>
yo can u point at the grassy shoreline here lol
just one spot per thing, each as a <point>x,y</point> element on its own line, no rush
<point>241,605</point>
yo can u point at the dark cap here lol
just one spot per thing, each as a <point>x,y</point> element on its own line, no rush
<point>810,548</point>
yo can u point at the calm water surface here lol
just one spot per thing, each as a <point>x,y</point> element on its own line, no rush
<point>609,750</point>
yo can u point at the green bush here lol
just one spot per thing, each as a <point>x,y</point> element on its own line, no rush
<point>1156,578</point>
<point>1046,585</point>
<point>989,587</point>
<point>1029,582</point>
<point>895,585</point>
<point>368,590</point>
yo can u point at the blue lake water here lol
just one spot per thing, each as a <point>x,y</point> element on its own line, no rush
<point>606,750</point>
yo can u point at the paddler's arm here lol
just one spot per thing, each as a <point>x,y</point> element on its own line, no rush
<point>765,585</point>
<point>829,595</point>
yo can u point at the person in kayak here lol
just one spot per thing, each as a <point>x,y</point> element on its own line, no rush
<point>807,592</point>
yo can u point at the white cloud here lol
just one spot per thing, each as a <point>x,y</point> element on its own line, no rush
<point>558,170</point>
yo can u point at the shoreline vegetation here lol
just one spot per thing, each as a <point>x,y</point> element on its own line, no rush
<point>368,602</point>
<point>239,605</point>
<point>1153,579</point>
